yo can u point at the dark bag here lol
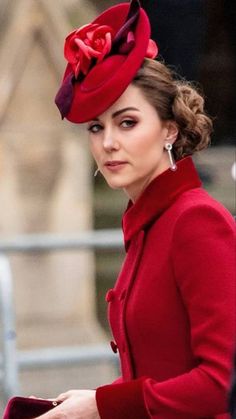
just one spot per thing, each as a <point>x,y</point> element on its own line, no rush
<point>27,408</point>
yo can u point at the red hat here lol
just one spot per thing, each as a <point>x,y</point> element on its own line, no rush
<point>103,58</point>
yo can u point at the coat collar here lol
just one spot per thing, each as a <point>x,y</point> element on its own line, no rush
<point>158,196</point>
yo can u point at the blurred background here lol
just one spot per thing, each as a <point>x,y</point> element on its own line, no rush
<point>47,185</point>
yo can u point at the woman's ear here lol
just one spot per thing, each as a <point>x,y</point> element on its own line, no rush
<point>172,132</point>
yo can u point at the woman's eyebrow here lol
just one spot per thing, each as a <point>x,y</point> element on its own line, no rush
<point>130,108</point>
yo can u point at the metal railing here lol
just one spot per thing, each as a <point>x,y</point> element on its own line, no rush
<point>97,239</point>
<point>13,360</point>
<point>9,364</point>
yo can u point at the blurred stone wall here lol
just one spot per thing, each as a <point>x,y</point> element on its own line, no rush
<point>45,174</point>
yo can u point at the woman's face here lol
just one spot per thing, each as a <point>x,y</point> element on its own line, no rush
<point>127,141</point>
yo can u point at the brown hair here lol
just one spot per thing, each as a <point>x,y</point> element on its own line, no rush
<point>176,100</point>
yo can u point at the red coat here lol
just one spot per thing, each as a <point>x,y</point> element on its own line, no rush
<point>172,310</point>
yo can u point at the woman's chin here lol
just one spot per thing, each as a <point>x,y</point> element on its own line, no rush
<point>116,184</point>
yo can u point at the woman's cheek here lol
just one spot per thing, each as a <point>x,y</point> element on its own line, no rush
<point>95,153</point>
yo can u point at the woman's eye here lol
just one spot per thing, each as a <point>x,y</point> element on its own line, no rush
<point>94,128</point>
<point>128,123</point>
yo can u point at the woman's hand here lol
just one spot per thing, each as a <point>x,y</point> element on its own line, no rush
<point>76,404</point>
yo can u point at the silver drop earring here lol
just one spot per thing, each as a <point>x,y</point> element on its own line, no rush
<point>96,172</point>
<point>168,147</point>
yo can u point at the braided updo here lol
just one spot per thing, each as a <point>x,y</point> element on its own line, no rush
<point>176,100</point>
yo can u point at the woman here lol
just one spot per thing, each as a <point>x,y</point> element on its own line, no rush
<point>172,310</point>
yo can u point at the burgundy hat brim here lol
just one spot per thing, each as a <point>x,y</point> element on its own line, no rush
<point>106,81</point>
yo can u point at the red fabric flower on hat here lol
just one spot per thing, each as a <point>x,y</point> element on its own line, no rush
<point>90,42</point>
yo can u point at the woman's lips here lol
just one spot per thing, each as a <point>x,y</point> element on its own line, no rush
<point>115,165</point>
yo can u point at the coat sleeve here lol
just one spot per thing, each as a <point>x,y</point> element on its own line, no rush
<point>203,261</point>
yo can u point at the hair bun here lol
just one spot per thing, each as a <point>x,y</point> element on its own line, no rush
<point>195,127</point>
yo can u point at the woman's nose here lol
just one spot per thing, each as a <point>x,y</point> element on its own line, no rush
<point>109,141</point>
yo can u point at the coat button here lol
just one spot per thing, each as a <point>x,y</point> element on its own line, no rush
<point>110,295</point>
<point>114,346</point>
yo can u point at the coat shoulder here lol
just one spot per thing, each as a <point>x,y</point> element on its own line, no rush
<point>198,201</point>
